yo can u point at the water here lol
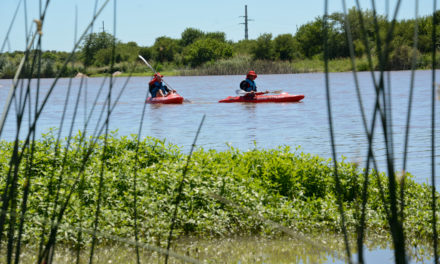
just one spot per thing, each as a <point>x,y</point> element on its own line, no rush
<point>301,125</point>
<point>246,126</point>
<point>241,250</point>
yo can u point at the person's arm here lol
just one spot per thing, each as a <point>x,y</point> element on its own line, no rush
<point>244,85</point>
<point>167,89</point>
<point>151,89</point>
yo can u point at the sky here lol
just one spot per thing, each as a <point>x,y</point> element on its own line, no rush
<point>143,21</point>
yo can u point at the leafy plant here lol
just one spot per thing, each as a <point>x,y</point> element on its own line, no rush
<point>294,189</point>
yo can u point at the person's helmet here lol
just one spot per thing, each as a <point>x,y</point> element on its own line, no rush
<point>251,73</point>
<point>158,74</point>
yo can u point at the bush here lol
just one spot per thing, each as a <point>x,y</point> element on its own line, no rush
<point>206,49</point>
<point>93,43</point>
<point>146,52</point>
<point>294,189</point>
<point>190,35</point>
<point>263,48</point>
<point>165,49</point>
<point>286,47</point>
<point>48,69</point>
<point>402,57</point>
<point>8,69</point>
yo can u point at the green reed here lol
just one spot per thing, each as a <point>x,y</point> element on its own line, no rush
<point>100,188</point>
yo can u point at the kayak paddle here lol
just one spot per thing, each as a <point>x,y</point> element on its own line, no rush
<point>151,67</point>
<point>241,92</point>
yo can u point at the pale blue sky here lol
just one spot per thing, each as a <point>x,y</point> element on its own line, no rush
<point>143,21</point>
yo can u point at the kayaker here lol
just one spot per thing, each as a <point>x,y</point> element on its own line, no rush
<point>157,88</point>
<point>248,85</point>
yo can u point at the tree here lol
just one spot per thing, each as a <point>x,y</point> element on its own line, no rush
<point>207,49</point>
<point>165,48</point>
<point>49,56</point>
<point>128,51</point>
<point>47,68</point>
<point>93,43</point>
<point>103,57</point>
<point>337,36</point>
<point>401,58</point>
<point>309,38</point>
<point>146,52</point>
<point>190,35</point>
<point>425,32</point>
<point>285,47</point>
<point>263,48</point>
<point>220,36</point>
<point>244,46</point>
<point>366,28</point>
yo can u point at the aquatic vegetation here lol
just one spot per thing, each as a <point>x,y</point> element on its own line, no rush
<point>291,188</point>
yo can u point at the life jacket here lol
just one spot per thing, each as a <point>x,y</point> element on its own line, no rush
<point>248,85</point>
<point>154,86</point>
<point>151,83</point>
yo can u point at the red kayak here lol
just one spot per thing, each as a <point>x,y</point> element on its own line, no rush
<point>173,98</point>
<point>261,97</point>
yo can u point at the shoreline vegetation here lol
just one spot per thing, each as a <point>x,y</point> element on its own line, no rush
<point>235,66</point>
<point>210,53</point>
<point>88,191</point>
<point>240,66</point>
<point>281,185</point>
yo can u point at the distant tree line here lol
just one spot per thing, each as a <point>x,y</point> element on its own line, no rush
<point>196,48</point>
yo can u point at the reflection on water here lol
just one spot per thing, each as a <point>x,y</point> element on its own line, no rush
<point>251,129</point>
<point>237,250</point>
<point>290,250</point>
<point>157,116</point>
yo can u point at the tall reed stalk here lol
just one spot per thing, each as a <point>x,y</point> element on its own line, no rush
<point>64,185</point>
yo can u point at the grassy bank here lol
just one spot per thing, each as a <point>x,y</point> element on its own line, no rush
<point>240,65</point>
<point>291,188</point>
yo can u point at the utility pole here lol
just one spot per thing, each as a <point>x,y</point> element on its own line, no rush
<point>246,20</point>
<point>103,27</point>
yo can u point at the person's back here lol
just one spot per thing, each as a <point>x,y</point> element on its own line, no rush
<point>151,88</point>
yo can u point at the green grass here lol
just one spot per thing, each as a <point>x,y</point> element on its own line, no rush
<point>335,65</point>
<point>137,74</point>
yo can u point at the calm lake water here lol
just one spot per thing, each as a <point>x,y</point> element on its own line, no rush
<point>301,125</point>
<point>245,126</point>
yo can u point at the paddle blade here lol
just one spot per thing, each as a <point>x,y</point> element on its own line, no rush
<point>276,92</point>
<point>146,62</point>
<point>240,92</point>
